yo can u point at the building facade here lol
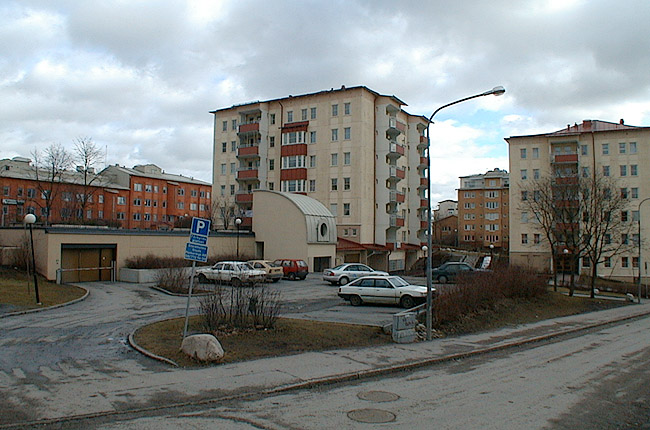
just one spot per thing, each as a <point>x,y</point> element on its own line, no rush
<point>354,150</point>
<point>483,210</point>
<point>140,198</point>
<point>614,150</point>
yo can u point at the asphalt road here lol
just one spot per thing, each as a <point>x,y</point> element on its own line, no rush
<point>594,381</point>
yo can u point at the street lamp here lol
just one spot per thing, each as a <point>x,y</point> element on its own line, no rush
<point>496,91</point>
<point>639,280</point>
<point>30,219</point>
<point>491,251</point>
<point>237,223</point>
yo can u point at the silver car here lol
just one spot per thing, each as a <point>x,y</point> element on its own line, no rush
<point>390,290</point>
<point>344,273</point>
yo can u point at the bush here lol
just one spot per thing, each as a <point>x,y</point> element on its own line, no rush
<point>151,261</point>
<point>478,292</point>
<point>173,279</point>
<point>239,307</point>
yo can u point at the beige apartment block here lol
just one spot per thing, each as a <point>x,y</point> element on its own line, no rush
<point>354,150</point>
<point>611,149</point>
<point>483,210</point>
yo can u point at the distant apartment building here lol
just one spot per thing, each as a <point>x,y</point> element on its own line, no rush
<point>143,197</point>
<point>445,208</point>
<point>483,210</point>
<point>353,149</point>
<point>445,231</point>
<point>593,147</point>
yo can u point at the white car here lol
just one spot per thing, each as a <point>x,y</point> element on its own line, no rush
<point>391,290</point>
<point>344,273</point>
<point>233,272</point>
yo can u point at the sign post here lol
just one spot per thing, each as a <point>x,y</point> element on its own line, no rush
<point>196,250</point>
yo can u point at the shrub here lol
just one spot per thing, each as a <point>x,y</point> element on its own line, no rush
<point>151,261</point>
<point>174,280</point>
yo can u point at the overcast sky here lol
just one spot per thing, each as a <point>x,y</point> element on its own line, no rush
<point>140,77</point>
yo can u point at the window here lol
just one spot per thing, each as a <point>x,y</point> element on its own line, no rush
<point>223,168</point>
<point>313,113</point>
<point>31,193</point>
<point>181,191</point>
<point>180,205</point>
<point>137,187</point>
<point>335,159</point>
<point>524,174</point>
<point>608,262</point>
<point>346,209</point>
<point>632,147</point>
<point>524,217</point>
<point>334,208</point>
<point>335,110</point>
<point>312,137</point>
<point>293,161</point>
<point>346,158</point>
<point>234,124</point>
<point>605,148</point>
<point>272,141</point>
<point>586,262</point>
<point>271,186</point>
<point>537,238</point>
<point>164,190</point>
<point>224,146</point>
<point>607,239</point>
<point>232,190</point>
<point>312,161</point>
<point>233,170</point>
<point>624,194</point>
<point>584,150</point>
<point>535,153</point>
<point>272,118</point>
<point>492,205</point>
<point>635,193</point>
<point>224,126</point>
<point>335,134</point>
<point>137,202</point>
<point>121,200</point>
<point>335,184</point>
<point>147,202</point>
<point>634,170</point>
<point>524,195</point>
<point>492,194</point>
<point>303,114</point>
<point>346,133</point>
<point>605,170</point>
<point>623,170</point>
<point>346,184</point>
<point>6,190</point>
<point>290,116</point>
<point>522,152</point>
<point>524,239</point>
<point>585,172</point>
<point>346,108</point>
<point>535,173</point>
<point>271,164</point>
<point>624,216</point>
<point>635,262</point>
<point>621,148</point>
<point>193,206</point>
<point>625,262</point>
<point>624,240</point>
<point>136,216</point>
<point>293,137</point>
<point>312,185</point>
<point>233,146</point>
<point>147,217</point>
<point>100,198</point>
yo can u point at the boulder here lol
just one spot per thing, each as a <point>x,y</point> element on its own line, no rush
<point>202,347</point>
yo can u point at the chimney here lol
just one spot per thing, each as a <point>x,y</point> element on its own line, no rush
<point>621,122</point>
<point>586,124</point>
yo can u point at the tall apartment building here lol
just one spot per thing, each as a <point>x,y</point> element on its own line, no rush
<point>483,210</point>
<point>354,150</point>
<point>613,150</point>
<point>144,197</point>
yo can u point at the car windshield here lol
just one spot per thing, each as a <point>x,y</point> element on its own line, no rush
<point>339,267</point>
<point>398,282</point>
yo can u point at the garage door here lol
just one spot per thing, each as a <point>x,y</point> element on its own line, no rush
<point>86,261</point>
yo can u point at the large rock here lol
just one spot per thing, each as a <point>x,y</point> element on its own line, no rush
<point>202,347</point>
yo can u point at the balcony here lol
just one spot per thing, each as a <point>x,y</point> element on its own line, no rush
<point>569,180</point>
<point>293,149</point>
<point>424,184</point>
<point>243,197</point>
<point>293,174</point>
<point>395,128</point>
<point>396,197</point>
<point>253,127</point>
<point>424,225</point>
<point>565,159</point>
<point>422,143</point>
<point>396,221</point>
<point>396,174</point>
<point>245,174</point>
<point>248,151</point>
<point>395,150</point>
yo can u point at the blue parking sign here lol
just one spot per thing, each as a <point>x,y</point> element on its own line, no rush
<point>200,226</point>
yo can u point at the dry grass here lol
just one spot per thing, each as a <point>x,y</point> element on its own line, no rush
<point>17,290</point>
<point>288,337</point>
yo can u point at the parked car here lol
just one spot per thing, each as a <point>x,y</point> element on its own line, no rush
<point>383,289</point>
<point>293,269</point>
<point>448,272</point>
<point>273,272</point>
<point>233,272</point>
<point>344,273</point>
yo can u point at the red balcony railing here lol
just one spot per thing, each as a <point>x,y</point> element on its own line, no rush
<point>247,151</point>
<point>247,128</point>
<point>247,174</point>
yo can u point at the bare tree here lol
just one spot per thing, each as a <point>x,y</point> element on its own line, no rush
<point>49,175</point>
<point>86,156</point>
<point>223,211</point>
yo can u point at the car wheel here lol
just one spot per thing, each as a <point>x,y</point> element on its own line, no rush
<point>236,282</point>
<point>292,276</point>
<point>407,302</point>
<point>276,279</point>
<point>202,279</point>
<point>355,300</point>
<point>344,280</point>
<point>442,279</point>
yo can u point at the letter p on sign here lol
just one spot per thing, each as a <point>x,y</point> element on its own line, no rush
<point>200,226</point>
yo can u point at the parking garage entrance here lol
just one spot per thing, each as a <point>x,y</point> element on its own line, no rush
<point>87,262</point>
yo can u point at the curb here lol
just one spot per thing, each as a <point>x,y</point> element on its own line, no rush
<point>60,305</point>
<point>145,352</point>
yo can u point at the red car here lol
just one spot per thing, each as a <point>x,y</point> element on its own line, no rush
<point>293,269</point>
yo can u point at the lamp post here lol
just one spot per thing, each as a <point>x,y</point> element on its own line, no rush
<point>30,219</point>
<point>491,251</point>
<point>237,223</point>
<point>496,91</point>
<point>639,221</point>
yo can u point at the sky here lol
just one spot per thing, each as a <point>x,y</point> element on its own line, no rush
<point>140,77</point>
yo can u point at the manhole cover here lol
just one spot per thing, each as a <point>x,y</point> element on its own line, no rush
<point>378,396</point>
<point>373,416</point>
